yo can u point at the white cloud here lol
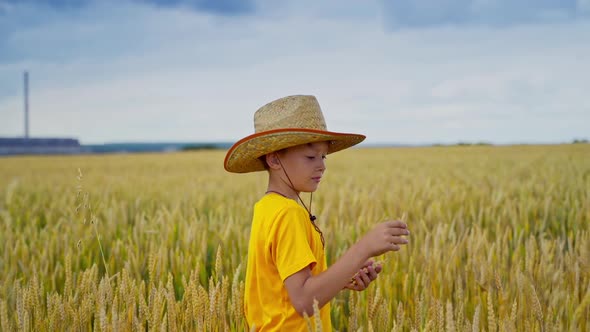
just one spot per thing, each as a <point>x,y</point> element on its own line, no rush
<point>188,76</point>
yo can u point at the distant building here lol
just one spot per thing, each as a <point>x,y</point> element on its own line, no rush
<point>27,145</point>
<point>14,146</point>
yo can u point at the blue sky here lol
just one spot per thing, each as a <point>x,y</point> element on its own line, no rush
<point>421,71</point>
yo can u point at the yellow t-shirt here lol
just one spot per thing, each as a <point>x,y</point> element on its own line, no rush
<point>282,242</point>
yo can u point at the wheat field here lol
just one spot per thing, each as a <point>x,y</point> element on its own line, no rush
<point>500,239</point>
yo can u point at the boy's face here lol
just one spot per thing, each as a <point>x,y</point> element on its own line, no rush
<point>305,164</point>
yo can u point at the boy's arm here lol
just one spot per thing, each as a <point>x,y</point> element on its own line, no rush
<point>303,288</point>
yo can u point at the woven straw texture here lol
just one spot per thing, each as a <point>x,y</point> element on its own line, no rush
<point>290,112</point>
<point>284,123</point>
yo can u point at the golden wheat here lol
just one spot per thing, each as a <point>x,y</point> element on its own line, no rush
<point>499,239</point>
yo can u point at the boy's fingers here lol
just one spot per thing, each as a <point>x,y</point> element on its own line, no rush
<point>400,240</point>
<point>397,231</point>
<point>400,231</point>
<point>378,269</point>
<point>396,224</point>
<point>372,273</point>
<point>363,275</point>
<point>359,282</point>
<point>366,279</point>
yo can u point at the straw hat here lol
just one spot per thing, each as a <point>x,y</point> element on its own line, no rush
<point>284,123</point>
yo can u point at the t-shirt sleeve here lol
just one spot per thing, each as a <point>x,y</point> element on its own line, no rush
<point>291,249</point>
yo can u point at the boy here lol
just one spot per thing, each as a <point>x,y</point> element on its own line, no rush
<point>287,267</point>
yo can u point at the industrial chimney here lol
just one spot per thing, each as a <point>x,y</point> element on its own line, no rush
<point>26,105</point>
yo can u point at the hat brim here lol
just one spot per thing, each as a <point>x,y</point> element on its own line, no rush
<point>243,157</point>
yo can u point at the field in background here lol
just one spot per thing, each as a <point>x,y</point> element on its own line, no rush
<point>500,239</point>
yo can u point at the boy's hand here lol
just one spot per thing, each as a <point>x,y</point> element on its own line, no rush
<point>361,280</point>
<point>386,236</point>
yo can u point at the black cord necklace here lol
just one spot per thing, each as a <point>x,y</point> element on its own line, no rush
<point>312,218</point>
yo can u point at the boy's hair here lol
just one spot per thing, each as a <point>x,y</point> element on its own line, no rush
<point>263,161</point>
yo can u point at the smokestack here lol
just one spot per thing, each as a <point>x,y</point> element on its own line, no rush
<point>26,105</point>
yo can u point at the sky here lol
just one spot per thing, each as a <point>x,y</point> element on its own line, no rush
<point>400,72</point>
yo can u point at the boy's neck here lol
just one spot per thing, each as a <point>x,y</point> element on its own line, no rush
<point>287,193</point>
<point>277,185</point>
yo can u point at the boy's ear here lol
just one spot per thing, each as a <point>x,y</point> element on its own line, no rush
<point>272,160</point>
